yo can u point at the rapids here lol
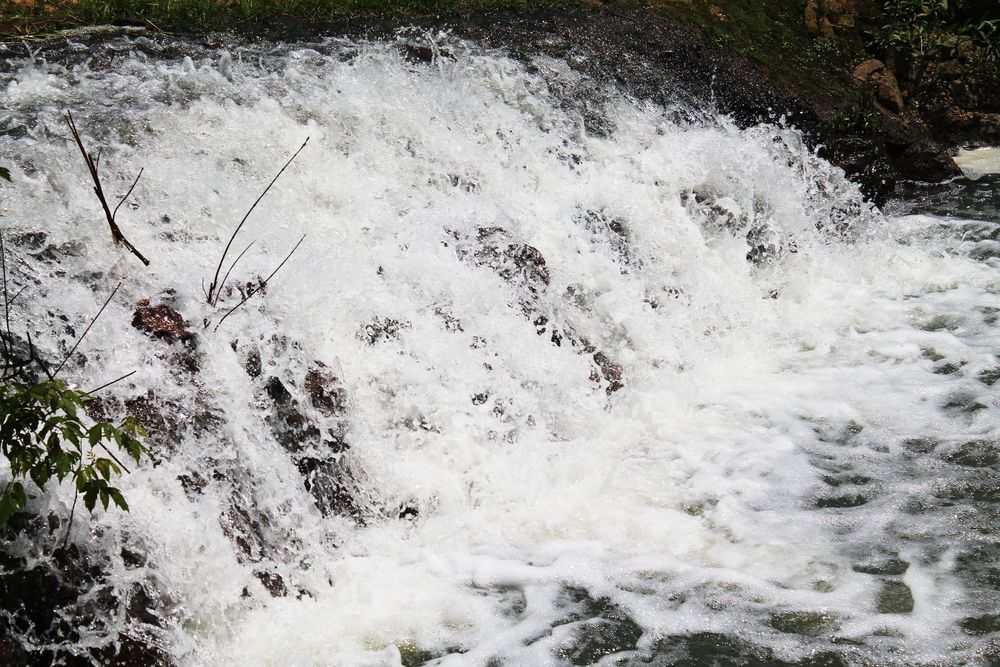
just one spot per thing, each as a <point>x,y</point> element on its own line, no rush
<point>799,466</point>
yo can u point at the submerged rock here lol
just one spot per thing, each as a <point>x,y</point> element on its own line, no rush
<point>895,597</point>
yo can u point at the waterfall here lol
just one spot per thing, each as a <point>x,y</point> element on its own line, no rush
<point>556,375</point>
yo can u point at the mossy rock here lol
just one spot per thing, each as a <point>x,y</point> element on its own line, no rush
<point>895,598</point>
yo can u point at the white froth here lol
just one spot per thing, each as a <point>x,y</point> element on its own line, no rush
<point>688,498</point>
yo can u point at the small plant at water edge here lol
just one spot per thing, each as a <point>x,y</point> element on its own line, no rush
<point>42,436</point>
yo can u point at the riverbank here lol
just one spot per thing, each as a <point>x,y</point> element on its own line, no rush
<point>874,109</point>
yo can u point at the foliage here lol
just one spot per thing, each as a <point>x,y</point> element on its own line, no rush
<point>42,436</point>
<point>938,27</point>
<point>42,431</point>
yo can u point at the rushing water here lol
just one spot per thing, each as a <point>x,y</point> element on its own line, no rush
<point>800,466</point>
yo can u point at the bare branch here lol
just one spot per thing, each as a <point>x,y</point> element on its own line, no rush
<point>87,330</point>
<point>116,232</point>
<point>33,356</point>
<point>137,177</point>
<point>263,284</point>
<point>214,285</point>
<point>233,265</point>
<point>6,301</point>
<point>108,384</point>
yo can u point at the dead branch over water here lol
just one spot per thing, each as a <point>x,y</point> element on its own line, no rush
<point>92,166</point>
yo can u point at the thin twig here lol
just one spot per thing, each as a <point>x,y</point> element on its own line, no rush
<point>215,278</point>
<point>34,357</point>
<point>136,181</point>
<point>6,302</point>
<point>262,286</point>
<point>108,384</point>
<point>233,265</point>
<point>92,165</point>
<point>87,330</point>
<point>72,510</point>
<point>14,298</point>
<point>115,458</point>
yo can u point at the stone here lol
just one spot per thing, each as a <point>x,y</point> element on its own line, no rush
<point>924,160</point>
<point>325,391</point>
<point>888,93</point>
<point>868,68</point>
<point>895,597</point>
<point>163,322</point>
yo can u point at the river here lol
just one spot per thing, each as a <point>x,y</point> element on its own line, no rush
<point>606,382</point>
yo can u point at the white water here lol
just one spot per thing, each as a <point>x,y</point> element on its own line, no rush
<point>688,498</point>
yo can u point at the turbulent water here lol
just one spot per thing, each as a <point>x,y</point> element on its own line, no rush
<point>614,383</point>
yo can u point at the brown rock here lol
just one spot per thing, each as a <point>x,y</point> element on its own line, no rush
<point>888,92</point>
<point>325,391</point>
<point>811,17</point>
<point>865,70</point>
<point>162,322</point>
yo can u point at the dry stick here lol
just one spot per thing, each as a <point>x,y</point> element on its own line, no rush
<point>262,286</point>
<point>6,302</point>
<point>136,181</point>
<point>33,356</point>
<point>108,384</point>
<point>87,330</point>
<point>215,279</point>
<point>233,265</point>
<point>116,232</point>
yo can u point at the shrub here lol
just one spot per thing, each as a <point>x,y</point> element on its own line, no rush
<point>42,436</point>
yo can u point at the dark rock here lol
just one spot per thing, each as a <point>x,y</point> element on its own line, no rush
<point>382,329</point>
<point>889,566</point>
<point>924,160</point>
<point>976,454</point>
<point>981,625</point>
<point>802,622</point>
<point>895,597</point>
<point>131,651</point>
<point>277,391</point>
<point>163,322</point>
<point>512,261</point>
<point>866,162</point>
<point>841,501</point>
<point>611,371</point>
<point>326,394</point>
<point>273,582</point>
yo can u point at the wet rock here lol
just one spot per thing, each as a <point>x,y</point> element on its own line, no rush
<point>511,260</point>
<point>821,17</point>
<point>887,566</point>
<point>924,160</point>
<point>611,371</point>
<point>603,629</point>
<point>844,501</point>
<point>326,394</point>
<point>163,322</point>
<point>981,625</point>
<point>802,622</point>
<point>273,582</point>
<point>48,603</point>
<point>382,329</point>
<point>976,454</point>
<point>865,162</point>
<point>895,597</point>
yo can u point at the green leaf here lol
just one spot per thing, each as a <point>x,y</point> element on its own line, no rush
<point>119,499</point>
<point>105,498</point>
<point>5,174</point>
<point>6,508</point>
<point>17,495</point>
<point>90,497</point>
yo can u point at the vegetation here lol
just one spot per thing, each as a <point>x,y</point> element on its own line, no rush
<point>42,423</point>
<point>943,28</point>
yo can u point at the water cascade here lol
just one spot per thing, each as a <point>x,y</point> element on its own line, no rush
<point>557,376</point>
